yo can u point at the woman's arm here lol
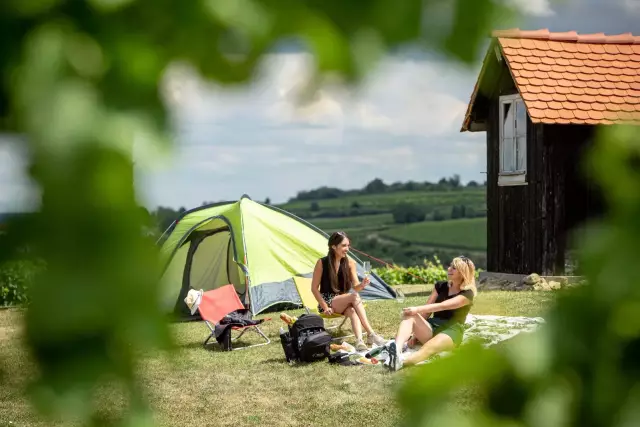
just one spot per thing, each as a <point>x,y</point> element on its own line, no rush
<point>315,285</point>
<point>357,286</point>
<point>411,311</point>
<point>450,304</point>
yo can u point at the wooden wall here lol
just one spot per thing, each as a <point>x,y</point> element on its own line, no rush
<point>528,225</point>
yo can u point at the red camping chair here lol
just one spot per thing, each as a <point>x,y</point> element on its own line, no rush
<point>216,304</point>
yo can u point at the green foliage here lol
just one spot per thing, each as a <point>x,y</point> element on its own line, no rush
<point>574,372</point>
<point>427,273</point>
<point>407,213</point>
<point>81,81</point>
<point>16,277</point>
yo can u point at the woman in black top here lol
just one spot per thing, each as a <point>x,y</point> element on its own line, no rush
<point>334,276</point>
<point>449,303</point>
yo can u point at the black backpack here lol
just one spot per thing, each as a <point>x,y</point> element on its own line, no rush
<point>307,339</point>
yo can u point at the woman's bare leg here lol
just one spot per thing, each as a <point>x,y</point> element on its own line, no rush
<point>417,325</point>
<point>341,302</point>
<point>435,345</point>
<point>359,307</point>
<point>355,322</point>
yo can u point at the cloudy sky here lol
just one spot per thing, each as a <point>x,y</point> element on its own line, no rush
<point>402,124</point>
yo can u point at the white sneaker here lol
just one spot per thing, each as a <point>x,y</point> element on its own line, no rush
<point>375,339</point>
<point>361,346</point>
<point>395,361</point>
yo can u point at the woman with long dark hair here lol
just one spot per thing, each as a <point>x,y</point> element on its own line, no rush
<point>334,277</point>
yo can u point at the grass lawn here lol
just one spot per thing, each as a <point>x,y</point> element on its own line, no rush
<point>255,386</point>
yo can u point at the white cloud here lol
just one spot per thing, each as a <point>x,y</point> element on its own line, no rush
<point>632,6</point>
<point>401,123</point>
<point>533,7</point>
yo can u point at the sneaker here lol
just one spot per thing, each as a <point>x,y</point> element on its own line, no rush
<point>395,362</point>
<point>375,339</point>
<point>361,346</point>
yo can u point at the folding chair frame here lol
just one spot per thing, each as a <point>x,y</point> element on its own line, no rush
<point>242,330</point>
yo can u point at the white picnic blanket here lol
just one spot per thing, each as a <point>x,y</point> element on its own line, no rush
<point>488,329</point>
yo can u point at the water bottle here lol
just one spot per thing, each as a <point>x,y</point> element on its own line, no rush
<point>375,351</point>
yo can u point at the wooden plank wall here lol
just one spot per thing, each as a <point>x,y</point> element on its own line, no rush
<point>528,225</point>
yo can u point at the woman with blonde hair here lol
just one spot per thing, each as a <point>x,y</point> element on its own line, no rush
<point>448,307</point>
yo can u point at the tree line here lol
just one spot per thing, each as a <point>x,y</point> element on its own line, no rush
<point>378,186</point>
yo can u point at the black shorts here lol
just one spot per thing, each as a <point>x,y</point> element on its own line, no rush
<point>328,298</point>
<point>454,330</point>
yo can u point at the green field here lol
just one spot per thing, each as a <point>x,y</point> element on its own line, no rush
<point>369,221</point>
<point>460,233</point>
<point>432,200</point>
<point>353,222</point>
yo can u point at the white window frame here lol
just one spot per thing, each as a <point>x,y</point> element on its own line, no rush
<point>517,176</point>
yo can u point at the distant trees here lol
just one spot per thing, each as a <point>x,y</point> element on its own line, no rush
<point>407,213</point>
<point>267,201</point>
<point>377,186</point>
<point>458,211</point>
<point>438,216</point>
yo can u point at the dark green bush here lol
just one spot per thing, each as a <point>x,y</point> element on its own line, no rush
<point>16,278</point>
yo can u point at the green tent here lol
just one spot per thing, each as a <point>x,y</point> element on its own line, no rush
<point>258,248</point>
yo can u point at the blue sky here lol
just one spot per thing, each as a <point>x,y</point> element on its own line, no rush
<point>402,124</point>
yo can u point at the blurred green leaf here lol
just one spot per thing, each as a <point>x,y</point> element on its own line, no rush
<point>81,81</point>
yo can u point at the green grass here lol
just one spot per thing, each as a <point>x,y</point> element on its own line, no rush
<point>254,386</point>
<point>459,233</point>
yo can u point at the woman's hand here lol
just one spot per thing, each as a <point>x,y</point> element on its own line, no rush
<point>328,311</point>
<point>410,311</point>
<point>365,282</point>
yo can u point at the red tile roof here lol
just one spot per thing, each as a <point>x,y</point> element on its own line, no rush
<point>570,78</point>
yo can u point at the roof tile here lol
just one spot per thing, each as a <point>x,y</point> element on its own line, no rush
<point>595,115</point>
<point>581,115</point>
<point>535,113</point>
<point>575,78</point>
<point>551,114</point>
<point>546,97</point>
<point>611,48</point>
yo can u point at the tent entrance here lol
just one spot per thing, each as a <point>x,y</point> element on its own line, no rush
<point>210,263</point>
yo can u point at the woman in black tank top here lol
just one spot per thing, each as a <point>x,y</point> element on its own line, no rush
<point>334,279</point>
<point>449,304</point>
